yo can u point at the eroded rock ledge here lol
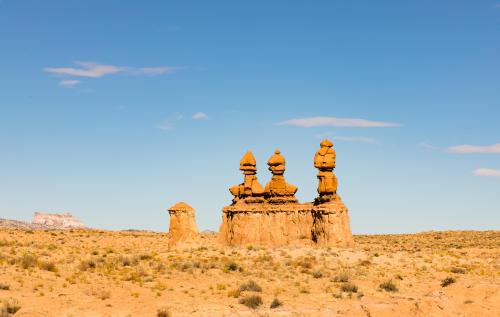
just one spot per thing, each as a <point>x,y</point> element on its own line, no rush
<point>277,225</point>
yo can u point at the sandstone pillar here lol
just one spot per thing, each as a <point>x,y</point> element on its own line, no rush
<point>183,232</point>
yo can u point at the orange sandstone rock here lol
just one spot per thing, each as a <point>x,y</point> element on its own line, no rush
<point>278,191</point>
<point>324,160</point>
<point>250,190</point>
<point>281,220</point>
<point>183,232</point>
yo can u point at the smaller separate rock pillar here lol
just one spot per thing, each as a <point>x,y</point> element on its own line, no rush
<point>183,231</point>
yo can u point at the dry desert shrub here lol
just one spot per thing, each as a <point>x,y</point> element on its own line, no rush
<point>250,286</point>
<point>253,301</point>
<point>388,286</point>
<point>87,264</point>
<point>47,266</point>
<point>458,270</point>
<point>234,293</point>
<point>349,288</point>
<point>27,260</point>
<point>9,307</point>
<point>317,274</point>
<point>448,281</point>
<point>342,277</point>
<point>276,303</point>
<point>163,312</point>
<point>230,266</point>
<point>4,286</point>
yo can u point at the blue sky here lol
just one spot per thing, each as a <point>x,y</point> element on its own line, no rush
<point>115,110</point>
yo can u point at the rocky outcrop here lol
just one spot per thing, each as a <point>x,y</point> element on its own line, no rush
<point>287,224</point>
<point>57,221</point>
<point>44,222</point>
<point>279,219</point>
<point>21,225</point>
<point>183,232</point>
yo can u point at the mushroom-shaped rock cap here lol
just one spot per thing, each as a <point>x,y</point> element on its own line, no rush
<point>181,206</point>
<point>276,159</point>
<point>326,143</point>
<point>248,159</point>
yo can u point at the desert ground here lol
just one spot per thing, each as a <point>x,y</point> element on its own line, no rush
<point>131,273</point>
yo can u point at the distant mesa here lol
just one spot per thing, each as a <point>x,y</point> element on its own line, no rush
<point>43,221</point>
<point>57,221</point>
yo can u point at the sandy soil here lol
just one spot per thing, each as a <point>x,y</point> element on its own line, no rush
<point>104,273</point>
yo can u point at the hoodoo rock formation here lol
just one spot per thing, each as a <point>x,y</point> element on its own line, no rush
<point>57,221</point>
<point>250,190</point>
<point>278,191</point>
<point>183,232</point>
<point>274,217</point>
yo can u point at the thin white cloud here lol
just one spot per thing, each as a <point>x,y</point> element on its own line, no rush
<point>428,146</point>
<point>487,172</point>
<point>95,70</point>
<point>469,149</point>
<point>341,138</point>
<point>165,125</point>
<point>338,122</point>
<point>200,116</point>
<point>168,124</point>
<point>69,82</point>
<point>148,70</point>
<point>88,69</point>
<point>361,139</point>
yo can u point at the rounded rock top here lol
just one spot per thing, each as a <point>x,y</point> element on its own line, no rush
<point>326,143</point>
<point>276,158</point>
<point>181,206</point>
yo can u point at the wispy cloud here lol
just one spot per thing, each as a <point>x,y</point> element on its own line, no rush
<point>341,138</point>
<point>168,124</point>
<point>200,116</point>
<point>337,122</point>
<point>428,146</point>
<point>361,139</point>
<point>165,125</point>
<point>96,70</point>
<point>487,172</point>
<point>69,82</point>
<point>469,149</point>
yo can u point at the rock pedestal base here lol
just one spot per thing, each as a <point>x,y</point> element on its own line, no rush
<point>288,224</point>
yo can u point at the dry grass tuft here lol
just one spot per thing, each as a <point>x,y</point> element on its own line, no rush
<point>388,286</point>
<point>253,301</point>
